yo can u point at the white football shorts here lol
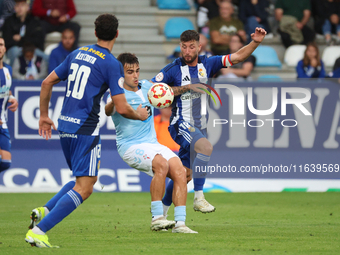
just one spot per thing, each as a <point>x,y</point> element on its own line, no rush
<point>140,156</point>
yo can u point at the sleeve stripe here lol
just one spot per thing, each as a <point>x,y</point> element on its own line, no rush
<point>226,63</point>
<point>229,60</point>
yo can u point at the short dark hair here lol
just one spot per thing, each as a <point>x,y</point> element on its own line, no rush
<point>239,37</point>
<point>190,35</point>
<point>106,26</point>
<point>28,46</point>
<point>128,58</point>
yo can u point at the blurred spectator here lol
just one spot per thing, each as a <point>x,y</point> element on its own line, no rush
<point>65,47</point>
<point>222,27</point>
<point>56,15</point>
<point>22,27</point>
<point>29,66</point>
<point>162,122</point>
<point>241,70</point>
<point>293,16</point>
<point>336,70</point>
<point>326,17</point>
<point>311,66</point>
<point>7,9</point>
<point>253,13</point>
<point>204,46</point>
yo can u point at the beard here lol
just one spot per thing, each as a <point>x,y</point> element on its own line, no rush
<point>192,59</point>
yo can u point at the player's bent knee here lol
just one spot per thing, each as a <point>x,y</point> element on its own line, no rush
<point>160,165</point>
<point>4,165</point>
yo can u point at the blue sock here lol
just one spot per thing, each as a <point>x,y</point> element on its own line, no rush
<point>66,204</point>
<point>4,164</point>
<point>67,187</point>
<point>156,208</point>
<point>167,199</point>
<point>201,162</point>
<point>180,213</point>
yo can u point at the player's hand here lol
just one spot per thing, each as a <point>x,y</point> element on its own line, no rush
<point>198,88</point>
<point>259,35</point>
<point>143,112</point>
<point>14,104</point>
<point>45,127</point>
<point>1,122</point>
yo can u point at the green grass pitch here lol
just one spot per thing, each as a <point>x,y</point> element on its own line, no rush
<point>244,223</point>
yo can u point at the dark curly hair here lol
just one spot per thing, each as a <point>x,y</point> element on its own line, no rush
<point>106,26</point>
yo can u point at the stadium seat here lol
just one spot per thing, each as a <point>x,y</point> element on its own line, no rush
<point>266,56</point>
<point>269,77</point>
<point>173,4</point>
<point>330,54</point>
<point>294,54</point>
<point>174,27</point>
<point>50,47</point>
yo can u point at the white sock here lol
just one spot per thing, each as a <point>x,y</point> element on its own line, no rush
<point>165,209</point>
<point>38,231</point>
<point>179,223</point>
<point>156,217</point>
<point>199,194</point>
<point>46,210</point>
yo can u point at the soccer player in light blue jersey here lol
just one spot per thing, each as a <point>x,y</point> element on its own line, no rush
<point>7,101</point>
<point>187,125</point>
<point>89,71</point>
<point>138,147</point>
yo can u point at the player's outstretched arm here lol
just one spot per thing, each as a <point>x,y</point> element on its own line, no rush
<point>45,123</point>
<point>13,102</point>
<point>243,53</point>
<point>126,110</point>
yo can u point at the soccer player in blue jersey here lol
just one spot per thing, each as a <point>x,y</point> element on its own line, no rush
<point>90,71</point>
<point>138,146</point>
<point>6,98</point>
<point>187,125</point>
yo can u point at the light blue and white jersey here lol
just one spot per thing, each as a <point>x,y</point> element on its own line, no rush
<point>187,106</point>
<point>5,86</point>
<point>130,132</point>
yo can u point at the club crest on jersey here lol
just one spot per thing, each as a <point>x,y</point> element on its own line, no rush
<point>121,82</point>
<point>159,77</point>
<point>201,72</point>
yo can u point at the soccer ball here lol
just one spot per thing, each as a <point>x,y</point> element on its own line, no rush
<point>160,95</point>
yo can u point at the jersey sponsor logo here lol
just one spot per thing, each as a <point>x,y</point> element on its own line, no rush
<point>186,78</point>
<point>63,135</point>
<point>159,77</point>
<point>190,95</point>
<point>121,82</point>
<point>96,52</point>
<point>69,119</point>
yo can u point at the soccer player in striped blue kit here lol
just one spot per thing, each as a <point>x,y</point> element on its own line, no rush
<point>90,71</point>
<point>7,101</point>
<point>138,146</point>
<point>187,125</point>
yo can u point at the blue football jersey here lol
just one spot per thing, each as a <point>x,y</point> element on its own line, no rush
<point>90,71</point>
<point>5,86</point>
<point>187,106</point>
<point>130,132</point>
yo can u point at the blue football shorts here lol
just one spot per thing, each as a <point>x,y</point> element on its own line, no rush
<point>5,141</point>
<point>186,135</point>
<point>82,153</point>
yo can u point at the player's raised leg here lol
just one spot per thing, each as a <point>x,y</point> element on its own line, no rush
<point>203,150</point>
<point>160,168</point>
<point>39,213</point>
<point>178,174</point>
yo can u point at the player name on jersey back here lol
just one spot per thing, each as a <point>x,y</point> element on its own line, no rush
<point>86,57</point>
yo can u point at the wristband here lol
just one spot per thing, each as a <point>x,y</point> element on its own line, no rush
<point>11,97</point>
